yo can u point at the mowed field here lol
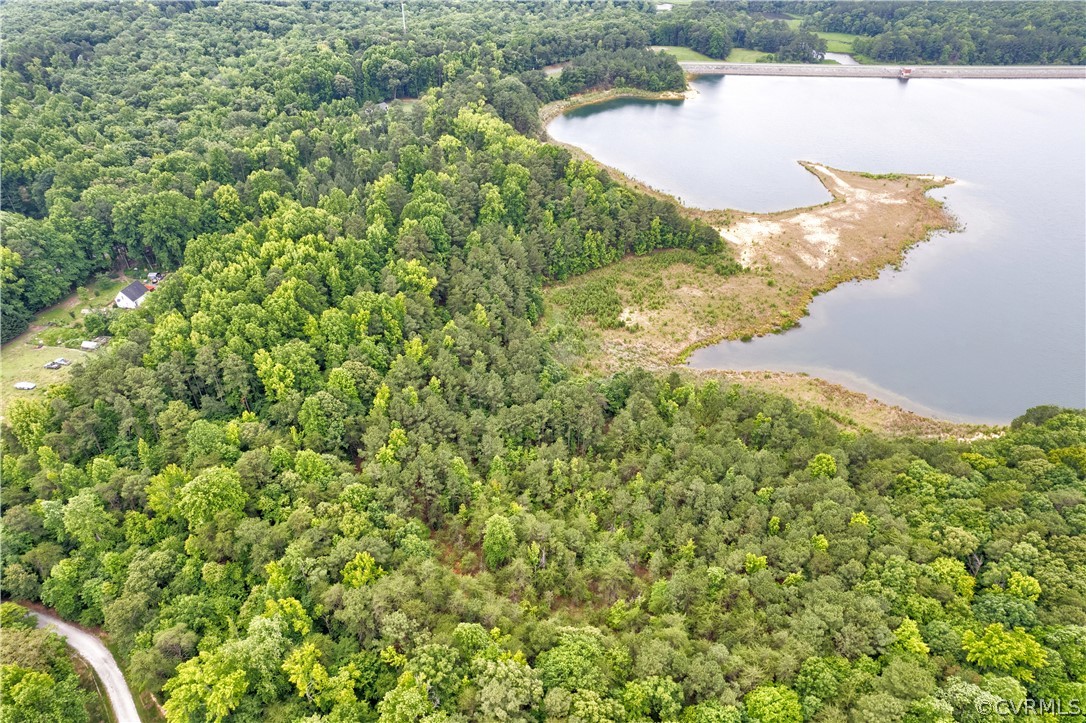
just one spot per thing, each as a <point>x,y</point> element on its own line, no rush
<point>835,42</point>
<point>838,42</point>
<point>53,332</point>
<point>683,55</point>
<point>22,362</point>
<point>744,55</point>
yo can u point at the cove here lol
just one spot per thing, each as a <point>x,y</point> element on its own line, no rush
<point>976,325</point>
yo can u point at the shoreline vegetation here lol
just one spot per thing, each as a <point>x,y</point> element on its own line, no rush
<point>550,111</point>
<point>853,410</point>
<point>663,306</point>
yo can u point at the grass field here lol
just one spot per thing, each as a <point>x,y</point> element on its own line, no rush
<point>743,55</point>
<point>683,55</point>
<point>838,42</point>
<point>835,42</point>
<point>95,295</point>
<point>22,362</point>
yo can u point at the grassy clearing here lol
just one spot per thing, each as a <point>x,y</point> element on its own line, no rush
<point>744,55</point>
<point>612,297</point>
<point>95,295</point>
<point>835,42</point>
<point>838,42</point>
<point>54,332</point>
<point>683,55</point>
<point>22,362</point>
<point>643,309</point>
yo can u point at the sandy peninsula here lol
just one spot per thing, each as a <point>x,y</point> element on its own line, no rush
<point>676,301</point>
<point>673,303</point>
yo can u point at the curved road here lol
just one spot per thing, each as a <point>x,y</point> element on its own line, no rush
<point>98,656</point>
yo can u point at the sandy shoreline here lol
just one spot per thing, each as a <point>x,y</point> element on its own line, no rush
<point>854,410</point>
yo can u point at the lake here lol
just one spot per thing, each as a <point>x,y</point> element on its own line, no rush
<point>977,325</point>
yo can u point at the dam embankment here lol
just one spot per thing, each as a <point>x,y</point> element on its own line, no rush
<point>888,71</point>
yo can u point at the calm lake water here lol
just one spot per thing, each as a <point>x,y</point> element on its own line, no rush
<point>977,325</point>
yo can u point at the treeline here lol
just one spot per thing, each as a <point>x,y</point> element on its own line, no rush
<point>967,33</point>
<point>714,30</point>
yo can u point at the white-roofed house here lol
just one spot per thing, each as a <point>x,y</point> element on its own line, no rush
<point>131,296</point>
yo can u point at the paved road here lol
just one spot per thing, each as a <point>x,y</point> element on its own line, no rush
<point>889,71</point>
<point>94,652</point>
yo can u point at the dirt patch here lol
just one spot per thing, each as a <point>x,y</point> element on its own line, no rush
<point>870,219</point>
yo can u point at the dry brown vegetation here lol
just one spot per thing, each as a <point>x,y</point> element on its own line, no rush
<point>671,306</point>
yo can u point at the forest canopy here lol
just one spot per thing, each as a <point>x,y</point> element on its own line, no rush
<point>334,469</point>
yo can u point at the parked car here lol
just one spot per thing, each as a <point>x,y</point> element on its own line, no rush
<point>61,361</point>
<point>52,365</point>
<point>25,386</point>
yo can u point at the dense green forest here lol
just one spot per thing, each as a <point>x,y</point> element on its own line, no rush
<point>103,165</point>
<point>968,33</point>
<point>336,470</point>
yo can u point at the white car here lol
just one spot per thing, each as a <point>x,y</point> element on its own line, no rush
<point>25,386</point>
